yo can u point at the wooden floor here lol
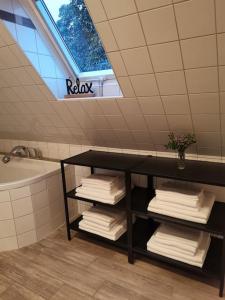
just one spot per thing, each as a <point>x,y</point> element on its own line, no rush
<point>57,269</point>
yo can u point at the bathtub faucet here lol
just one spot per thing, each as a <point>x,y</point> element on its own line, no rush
<point>22,151</point>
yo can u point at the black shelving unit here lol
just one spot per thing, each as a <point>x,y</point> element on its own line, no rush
<point>136,201</point>
<point>198,172</point>
<point>109,161</point>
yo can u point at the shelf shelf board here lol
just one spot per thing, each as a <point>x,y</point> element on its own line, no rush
<point>211,265</point>
<point>121,242</point>
<point>215,224</point>
<point>144,229</point>
<point>105,160</point>
<point>195,171</point>
<point>119,205</point>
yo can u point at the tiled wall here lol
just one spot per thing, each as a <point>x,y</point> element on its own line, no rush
<point>31,212</point>
<point>61,151</point>
<point>168,58</point>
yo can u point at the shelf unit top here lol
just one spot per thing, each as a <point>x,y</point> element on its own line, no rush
<point>195,171</point>
<point>105,160</point>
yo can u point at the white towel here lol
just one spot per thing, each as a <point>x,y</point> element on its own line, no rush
<point>101,223</point>
<point>179,192</point>
<point>179,204</point>
<point>185,239</point>
<point>114,234</point>
<point>96,187</point>
<point>104,229</point>
<point>200,217</point>
<point>100,179</point>
<point>103,195</point>
<point>104,214</point>
<point>196,260</point>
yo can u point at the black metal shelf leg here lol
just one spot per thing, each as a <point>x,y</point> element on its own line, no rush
<point>222,271</point>
<point>65,202</point>
<point>129,218</point>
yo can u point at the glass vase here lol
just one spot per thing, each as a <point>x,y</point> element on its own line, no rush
<point>181,160</point>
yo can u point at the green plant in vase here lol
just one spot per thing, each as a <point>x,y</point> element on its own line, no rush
<point>180,143</point>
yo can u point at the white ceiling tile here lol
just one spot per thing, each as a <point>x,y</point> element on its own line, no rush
<point>141,136</point>
<point>96,10</point>
<point>160,137</point>
<point>8,59</point>
<point>221,48</point>
<point>117,63</point>
<point>128,32</point>
<point>137,61</point>
<point>118,8</point>
<point>176,104</point>
<point>166,57</point>
<point>202,80</point>
<point>157,122</point>
<point>171,83</point>
<point>222,102</point>
<point>126,87</point>
<point>204,103</point>
<point>5,34</point>
<point>22,75</point>
<point>199,52</point>
<point>109,107</point>
<point>149,4</point>
<point>206,122</point>
<point>129,106</point>
<point>92,107</point>
<point>222,78</point>
<point>159,25</point>
<point>180,123</point>
<point>117,122</point>
<point>26,37</point>
<point>195,18</point>
<point>144,85</point>
<point>19,54</point>
<point>100,122</point>
<point>151,105</point>
<point>207,139</point>
<point>107,37</point>
<point>135,121</point>
<point>220,20</point>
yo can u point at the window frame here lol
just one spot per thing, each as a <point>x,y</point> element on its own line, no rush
<point>63,50</point>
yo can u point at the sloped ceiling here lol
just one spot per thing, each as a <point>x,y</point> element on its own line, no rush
<point>169,58</point>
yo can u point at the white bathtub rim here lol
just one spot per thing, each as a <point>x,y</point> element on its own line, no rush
<point>32,179</point>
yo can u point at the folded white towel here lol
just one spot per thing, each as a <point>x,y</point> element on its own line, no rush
<point>114,234</point>
<point>102,223</point>
<point>200,217</point>
<point>179,235</point>
<point>196,260</point>
<point>179,192</point>
<point>179,204</point>
<point>99,199</point>
<point>104,195</point>
<point>100,179</point>
<point>104,214</point>
<point>98,187</point>
<point>103,229</point>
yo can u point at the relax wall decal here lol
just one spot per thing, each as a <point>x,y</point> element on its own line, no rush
<point>84,89</point>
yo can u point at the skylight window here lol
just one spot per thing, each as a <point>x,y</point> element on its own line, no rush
<point>75,33</point>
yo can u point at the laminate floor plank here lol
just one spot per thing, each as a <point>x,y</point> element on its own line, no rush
<point>56,269</point>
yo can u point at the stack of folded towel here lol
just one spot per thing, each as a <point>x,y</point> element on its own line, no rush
<point>186,245</point>
<point>184,202</point>
<point>102,188</point>
<point>110,224</point>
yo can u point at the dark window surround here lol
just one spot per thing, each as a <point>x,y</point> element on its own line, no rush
<point>13,18</point>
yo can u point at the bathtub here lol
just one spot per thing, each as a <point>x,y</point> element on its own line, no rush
<point>31,201</point>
